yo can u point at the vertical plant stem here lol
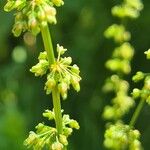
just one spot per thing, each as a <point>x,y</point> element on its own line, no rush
<point>136,113</point>
<point>55,93</point>
<point>48,44</point>
<point>57,110</point>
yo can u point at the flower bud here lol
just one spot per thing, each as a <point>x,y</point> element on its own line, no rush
<point>19,16</point>
<point>144,94</point>
<point>41,68</point>
<point>43,55</point>
<point>75,69</point>
<point>57,146</point>
<point>63,139</point>
<point>40,127</point>
<point>33,25</point>
<point>118,33</point>
<point>31,139</point>
<point>50,13</point>
<point>62,87</point>
<point>74,124</point>
<point>148,100</point>
<point>113,64</point>
<point>19,4</point>
<point>75,83</point>
<point>136,93</point>
<point>136,133</point>
<point>41,15</point>
<point>125,51</point>
<point>67,60</point>
<point>109,112</point>
<point>49,114</point>
<point>61,49</point>
<point>17,28</point>
<point>147,83</point>
<point>125,66</point>
<point>9,6</point>
<point>136,4</point>
<point>67,131</point>
<point>125,11</point>
<point>147,53</point>
<point>49,85</point>
<point>32,21</point>
<point>138,77</point>
<point>58,2</point>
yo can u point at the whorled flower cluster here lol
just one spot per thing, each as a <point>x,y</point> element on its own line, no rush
<point>120,137</point>
<point>129,8</point>
<point>61,74</point>
<point>121,103</point>
<point>118,33</point>
<point>121,57</point>
<point>47,137</point>
<point>32,14</point>
<point>144,93</point>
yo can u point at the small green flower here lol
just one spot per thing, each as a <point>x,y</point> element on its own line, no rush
<point>147,53</point>
<point>136,93</point>
<point>58,2</point>
<point>57,146</point>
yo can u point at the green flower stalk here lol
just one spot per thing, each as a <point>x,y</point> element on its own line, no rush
<point>120,62</point>
<point>35,16</point>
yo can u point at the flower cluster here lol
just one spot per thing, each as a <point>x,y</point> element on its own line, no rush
<point>62,74</point>
<point>121,136</point>
<point>117,33</point>
<point>120,61</point>
<point>47,137</point>
<point>147,54</point>
<point>121,103</point>
<point>32,14</point>
<point>129,8</point>
<point>144,93</point>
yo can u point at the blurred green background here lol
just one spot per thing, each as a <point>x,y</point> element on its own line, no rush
<point>80,28</point>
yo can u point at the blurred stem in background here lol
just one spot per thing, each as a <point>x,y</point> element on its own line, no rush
<point>137,113</point>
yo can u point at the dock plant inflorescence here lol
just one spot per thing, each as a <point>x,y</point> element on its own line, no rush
<point>35,16</point>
